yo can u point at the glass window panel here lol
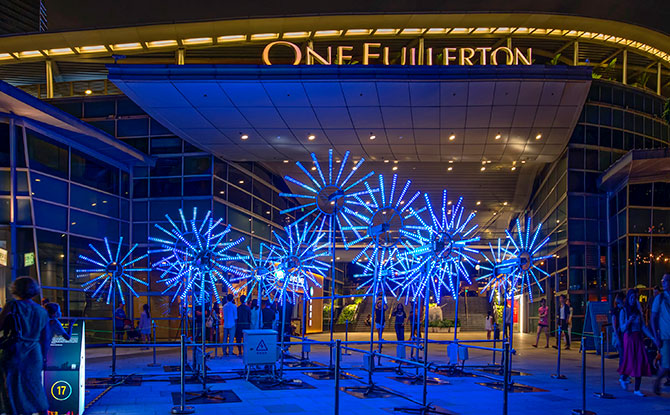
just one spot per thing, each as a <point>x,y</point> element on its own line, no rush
<point>591,114</point>
<point>640,194</point>
<point>5,182</point>
<point>87,224</point>
<point>220,212</point>
<point>576,230</point>
<point>140,188</point>
<point>239,220</point>
<point>239,197</point>
<point>23,216</point>
<point>605,116</point>
<point>72,108</point>
<point>51,251</point>
<point>219,188</point>
<point>662,222</point>
<point>4,210</point>
<point>221,169</point>
<point>165,145</point>
<point>125,184</point>
<point>261,229</point>
<point>617,139</point>
<point>576,279</point>
<point>44,187</point>
<point>140,211</point>
<point>124,209</point>
<point>262,172</point>
<point>125,107</point>
<point>165,187</point>
<point>140,143</point>
<point>605,160</point>
<point>203,206</point>
<point>158,129</point>
<point>238,178</point>
<point>93,201</point>
<point>140,234</point>
<point>591,135</point>
<point>167,166</point>
<point>262,191</point>
<point>605,137</point>
<point>197,165</point>
<point>94,173</point>
<point>234,235</point>
<point>578,134</point>
<point>160,208</point>
<point>99,109</point>
<point>263,209</point>
<point>575,181</point>
<point>591,159</point>
<point>47,156</point>
<point>50,216</point>
<point>108,126</point>
<point>137,127</point>
<point>576,206</point>
<point>197,186</point>
<point>622,223</point>
<point>662,194</point>
<point>639,220</point>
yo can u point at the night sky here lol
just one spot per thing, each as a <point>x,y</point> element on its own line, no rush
<point>81,14</point>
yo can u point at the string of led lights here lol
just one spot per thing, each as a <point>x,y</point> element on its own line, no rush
<point>297,267</point>
<point>257,273</point>
<point>495,272</point>
<point>111,271</point>
<point>195,256</point>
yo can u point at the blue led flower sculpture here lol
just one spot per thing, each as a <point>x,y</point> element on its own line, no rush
<point>497,269</point>
<point>297,263</point>
<point>328,194</point>
<point>257,273</point>
<point>111,272</point>
<point>442,247</point>
<point>195,255</point>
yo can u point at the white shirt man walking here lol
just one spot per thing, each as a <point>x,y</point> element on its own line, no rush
<point>229,320</point>
<point>660,324</point>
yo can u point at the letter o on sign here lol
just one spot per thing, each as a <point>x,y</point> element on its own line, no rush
<point>297,53</point>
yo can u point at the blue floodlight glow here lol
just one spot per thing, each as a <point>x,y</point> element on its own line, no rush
<point>296,263</point>
<point>111,272</point>
<point>195,254</point>
<point>441,247</point>
<point>328,193</point>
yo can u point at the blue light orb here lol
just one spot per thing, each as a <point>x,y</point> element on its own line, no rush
<point>110,272</point>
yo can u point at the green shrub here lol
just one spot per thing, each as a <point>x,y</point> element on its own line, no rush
<point>348,313</point>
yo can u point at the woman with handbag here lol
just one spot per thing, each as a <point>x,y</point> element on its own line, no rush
<point>24,346</point>
<point>635,362</point>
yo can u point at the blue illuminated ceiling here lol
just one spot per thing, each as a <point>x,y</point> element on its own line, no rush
<point>411,111</point>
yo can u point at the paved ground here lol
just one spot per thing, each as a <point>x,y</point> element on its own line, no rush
<point>463,395</point>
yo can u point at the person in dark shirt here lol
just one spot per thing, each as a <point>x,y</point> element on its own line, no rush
<point>399,314</point>
<point>243,322</point>
<point>119,320</point>
<point>267,315</point>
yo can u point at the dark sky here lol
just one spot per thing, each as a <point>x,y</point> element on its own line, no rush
<point>80,14</point>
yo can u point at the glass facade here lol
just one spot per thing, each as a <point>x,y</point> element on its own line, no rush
<point>614,120</point>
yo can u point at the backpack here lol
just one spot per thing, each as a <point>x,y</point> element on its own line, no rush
<point>11,333</point>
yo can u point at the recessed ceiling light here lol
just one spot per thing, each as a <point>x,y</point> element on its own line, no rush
<point>313,168</point>
<point>483,168</point>
<point>241,182</point>
<point>504,203</point>
<point>513,168</point>
<point>488,161</point>
<point>311,137</point>
<point>483,161</point>
<point>449,202</point>
<point>498,136</point>
<point>494,213</point>
<point>221,192</point>
<point>88,92</point>
<point>244,136</point>
<point>285,161</point>
<point>372,136</point>
<point>452,137</point>
<point>395,161</point>
<point>523,161</point>
<point>451,161</point>
<point>338,161</point>
<point>450,168</point>
<point>395,168</point>
<point>386,161</point>
<point>538,136</point>
<point>479,203</point>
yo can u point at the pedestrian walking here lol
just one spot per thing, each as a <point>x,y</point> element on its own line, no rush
<point>563,315</point>
<point>23,350</point>
<point>145,324</point>
<point>120,321</point>
<point>542,323</point>
<point>255,314</point>
<point>635,362</point>
<point>243,322</point>
<point>399,314</point>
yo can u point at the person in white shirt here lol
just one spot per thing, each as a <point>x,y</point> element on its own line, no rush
<point>229,319</point>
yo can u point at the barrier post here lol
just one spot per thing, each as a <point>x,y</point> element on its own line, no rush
<point>583,410</point>
<point>182,408</point>
<point>505,376</point>
<point>602,394</point>
<point>558,374</point>
<point>346,335</point>
<point>338,356</point>
<point>154,364</point>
